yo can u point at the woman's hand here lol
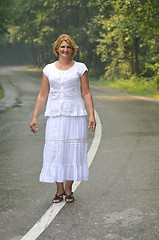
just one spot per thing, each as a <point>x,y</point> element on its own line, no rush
<point>34,125</point>
<point>92,123</point>
<point>40,102</point>
<point>87,97</point>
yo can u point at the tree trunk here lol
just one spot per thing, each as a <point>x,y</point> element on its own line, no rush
<point>126,52</point>
<point>135,56</point>
<point>33,52</point>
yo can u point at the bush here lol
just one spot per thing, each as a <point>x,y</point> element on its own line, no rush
<point>1,92</point>
<point>134,85</point>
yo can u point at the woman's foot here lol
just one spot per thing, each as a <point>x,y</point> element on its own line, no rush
<point>69,198</point>
<point>60,192</point>
<point>68,191</point>
<point>58,198</point>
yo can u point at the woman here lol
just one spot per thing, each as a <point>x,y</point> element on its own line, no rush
<point>65,86</point>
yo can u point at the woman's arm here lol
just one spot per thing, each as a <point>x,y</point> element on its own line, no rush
<point>87,97</point>
<point>40,102</point>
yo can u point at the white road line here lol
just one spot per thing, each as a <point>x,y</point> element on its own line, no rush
<point>54,209</point>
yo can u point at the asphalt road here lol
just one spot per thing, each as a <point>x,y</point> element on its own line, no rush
<point>121,199</point>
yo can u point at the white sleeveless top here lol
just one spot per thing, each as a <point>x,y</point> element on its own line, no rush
<point>65,97</point>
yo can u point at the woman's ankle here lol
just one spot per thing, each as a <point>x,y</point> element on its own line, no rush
<point>60,188</point>
<point>68,187</point>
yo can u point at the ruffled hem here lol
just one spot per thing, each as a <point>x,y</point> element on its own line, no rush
<point>66,108</point>
<point>55,173</point>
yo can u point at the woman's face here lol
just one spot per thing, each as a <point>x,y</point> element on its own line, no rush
<point>65,50</point>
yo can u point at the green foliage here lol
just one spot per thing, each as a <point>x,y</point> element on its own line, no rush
<point>118,38</point>
<point>1,91</point>
<point>156,71</point>
<point>39,23</point>
<point>149,70</point>
<point>134,85</point>
<point>128,37</point>
<point>5,19</point>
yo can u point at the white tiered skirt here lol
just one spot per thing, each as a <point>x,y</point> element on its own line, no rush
<point>65,150</point>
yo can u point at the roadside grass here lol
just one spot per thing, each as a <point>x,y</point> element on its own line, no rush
<point>134,86</point>
<point>35,68</point>
<point>1,91</point>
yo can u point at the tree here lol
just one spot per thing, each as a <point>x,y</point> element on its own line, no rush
<point>39,23</point>
<point>127,27</point>
<point>4,17</point>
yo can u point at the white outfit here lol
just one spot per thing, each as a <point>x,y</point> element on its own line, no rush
<point>65,150</point>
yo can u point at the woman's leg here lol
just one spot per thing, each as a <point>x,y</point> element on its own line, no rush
<point>60,190</point>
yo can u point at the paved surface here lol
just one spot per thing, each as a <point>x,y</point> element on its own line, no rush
<point>121,199</point>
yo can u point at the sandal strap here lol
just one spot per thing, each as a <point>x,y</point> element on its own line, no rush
<point>69,196</point>
<point>58,197</point>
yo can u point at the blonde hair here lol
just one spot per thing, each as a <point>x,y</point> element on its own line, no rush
<point>69,40</point>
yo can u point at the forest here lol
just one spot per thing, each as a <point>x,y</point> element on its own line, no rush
<point>116,38</point>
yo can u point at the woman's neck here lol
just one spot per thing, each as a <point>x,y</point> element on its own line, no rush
<point>64,62</point>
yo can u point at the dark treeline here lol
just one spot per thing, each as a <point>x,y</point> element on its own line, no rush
<point>118,38</point>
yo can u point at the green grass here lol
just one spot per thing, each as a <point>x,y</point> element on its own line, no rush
<point>35,68</point>
<point>134,86</point>
<point>1,91</point>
